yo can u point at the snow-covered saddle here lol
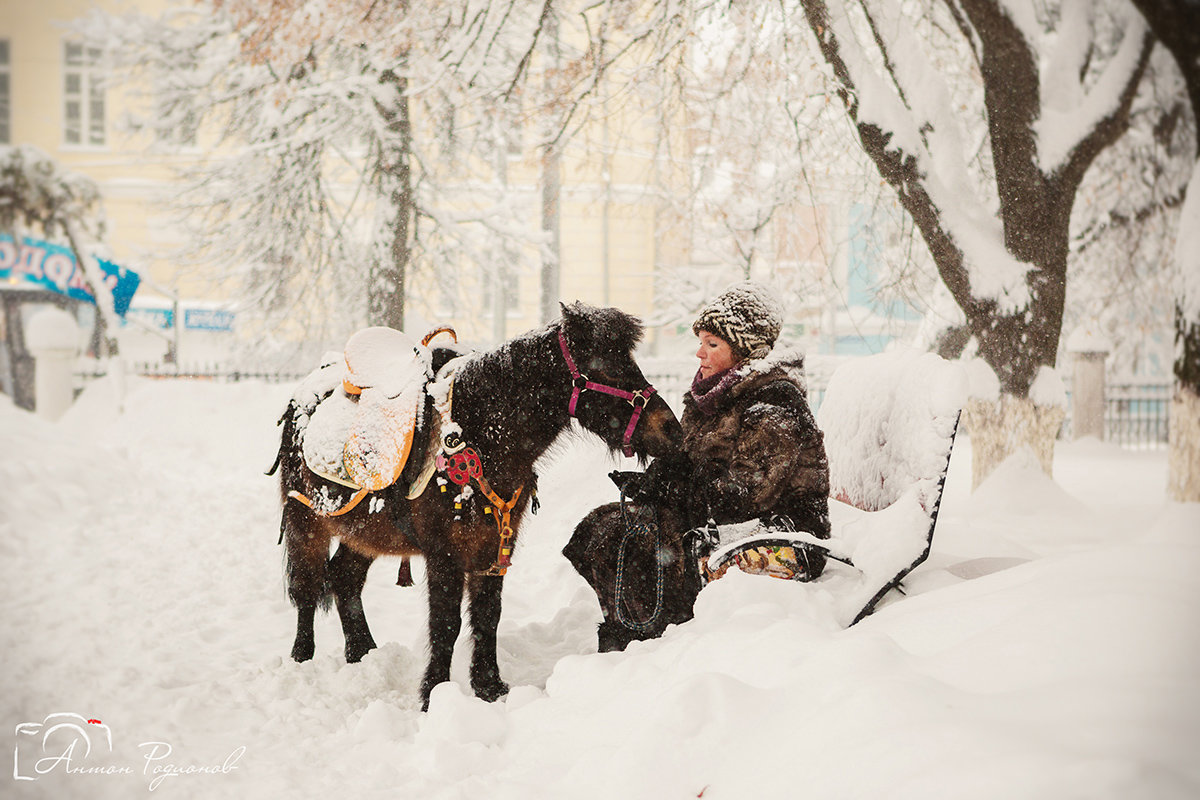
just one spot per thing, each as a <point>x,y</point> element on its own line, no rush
<point>889,422</point>
<point>363,410</point>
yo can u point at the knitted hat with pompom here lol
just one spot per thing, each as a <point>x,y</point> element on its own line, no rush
<point>747,316</point>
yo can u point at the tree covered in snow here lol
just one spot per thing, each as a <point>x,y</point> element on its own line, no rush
<point>987,160</point>
<point>335,150</point>
<point>1122,275</point>
<point>1176,23</point>
<point>757,166</point>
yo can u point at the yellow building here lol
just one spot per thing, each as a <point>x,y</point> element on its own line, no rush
<point>52,95</point>
<point>617,232</point>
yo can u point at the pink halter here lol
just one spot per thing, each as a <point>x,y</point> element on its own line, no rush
<point>580,382</point>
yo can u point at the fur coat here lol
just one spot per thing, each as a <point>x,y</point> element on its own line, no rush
<point>752,451</point>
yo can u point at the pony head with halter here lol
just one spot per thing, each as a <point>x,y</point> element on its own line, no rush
<point>605,338</point>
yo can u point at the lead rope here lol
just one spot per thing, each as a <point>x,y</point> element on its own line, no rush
<point>658,582</point>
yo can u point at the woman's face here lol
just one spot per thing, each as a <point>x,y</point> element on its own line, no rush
<point>715,355</point>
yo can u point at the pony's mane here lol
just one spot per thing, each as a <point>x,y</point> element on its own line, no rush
<point>602,329</point>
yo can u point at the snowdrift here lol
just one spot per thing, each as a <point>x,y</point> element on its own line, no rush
<point>1048,648</point>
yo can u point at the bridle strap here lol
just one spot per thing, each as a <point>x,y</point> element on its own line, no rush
<point>579,382</point>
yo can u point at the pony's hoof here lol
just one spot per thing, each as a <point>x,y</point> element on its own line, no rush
<point>302,652</point>
<point>355,653</point>
<point>491,691</point>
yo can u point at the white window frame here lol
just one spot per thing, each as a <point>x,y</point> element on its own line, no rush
<point>84,102</point>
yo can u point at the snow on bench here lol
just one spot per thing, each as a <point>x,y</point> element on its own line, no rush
<point>889,422</point>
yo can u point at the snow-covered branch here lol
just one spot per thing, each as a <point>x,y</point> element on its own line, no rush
<point>1073,114</point>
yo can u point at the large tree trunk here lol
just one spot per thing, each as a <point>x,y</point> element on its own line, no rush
<point>1007,426</point>
<point>552,260</point>
<point>1183,459</point>
<point>386,281</point>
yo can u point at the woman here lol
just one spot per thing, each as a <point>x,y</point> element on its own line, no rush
<point>751,450</point>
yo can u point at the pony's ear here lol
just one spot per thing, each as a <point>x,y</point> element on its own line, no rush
<point>577,323</point>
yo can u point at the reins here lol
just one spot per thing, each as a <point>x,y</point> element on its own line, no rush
<point>619,589</point>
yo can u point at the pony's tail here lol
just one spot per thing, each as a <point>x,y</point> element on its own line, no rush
<point>306,547</point>
<point>288,421</point>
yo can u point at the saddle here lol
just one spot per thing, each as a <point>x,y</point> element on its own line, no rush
<point>362,433</point>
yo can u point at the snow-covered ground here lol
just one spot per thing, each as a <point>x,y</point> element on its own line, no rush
<point>1049,648</point>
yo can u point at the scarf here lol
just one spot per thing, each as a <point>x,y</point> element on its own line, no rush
<point>707,392</point>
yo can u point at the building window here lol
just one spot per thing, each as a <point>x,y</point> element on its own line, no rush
<point>5,94</point>
<point>83,95</point>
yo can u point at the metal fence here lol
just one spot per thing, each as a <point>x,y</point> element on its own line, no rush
<point>199,372</point>
<point>1136,415</point>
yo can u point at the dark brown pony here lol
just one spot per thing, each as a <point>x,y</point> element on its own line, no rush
<point>510,403</point>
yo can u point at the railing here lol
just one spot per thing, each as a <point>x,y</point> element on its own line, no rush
<point>203,372</point>
<point>1136,415</point>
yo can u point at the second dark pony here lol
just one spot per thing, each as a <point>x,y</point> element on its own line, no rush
<point>510,404</point>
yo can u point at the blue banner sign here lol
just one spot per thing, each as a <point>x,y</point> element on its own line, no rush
<point>196,319</point>
<point>208,319</point>
<point>53,267</point>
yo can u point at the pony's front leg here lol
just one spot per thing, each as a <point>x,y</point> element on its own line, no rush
<point>445,579</point>
<point>484,607</point>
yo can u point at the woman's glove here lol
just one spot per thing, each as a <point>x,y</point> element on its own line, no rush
<point>633,485</point>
